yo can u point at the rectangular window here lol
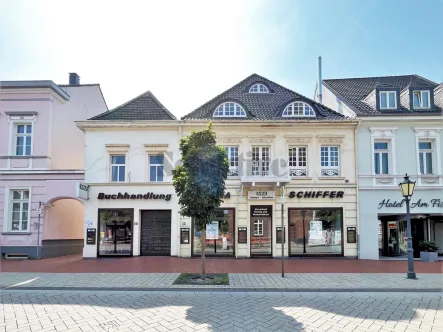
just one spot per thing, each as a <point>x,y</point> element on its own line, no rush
<point>258,227</point>
<point>298,161</point>
<point>19,210</point>
<point>232,152</point>
<point>330,161</point>
<point>421,99</point>
<point>260,161</point>
<point>23,139</point>
<point>381,157</point>
<point>156,168</point>
<point>388,100</point>
<point>425,157</point>
<point>118,168</point>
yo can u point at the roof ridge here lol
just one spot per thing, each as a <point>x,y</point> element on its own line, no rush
<point>366,77</point>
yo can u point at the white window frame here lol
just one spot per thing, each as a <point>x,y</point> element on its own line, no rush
<point>298,170</point>
<point>262,162</point>
<point>7,225</point>
<point>330,170</point>
<point>379,153</point>
<point>426,151</point>
<point>24,135</point>
<point>234,166</point>
<point>385,134</point>
<point>387,100</point>
<point>156,166</point>
<point>15,121</point>
<point>118,165</point>
<point>429,134</point>
<point>258,227</point>
<point>420,92</point>
<point>221,110</point>
<point>261,88</point>
<point>290,110</point>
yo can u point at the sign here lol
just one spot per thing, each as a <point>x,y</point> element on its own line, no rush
<point>82,191</point>
<point>316,230</point>
<point>138,196</point>
<point>40,212</point>
<point>316,194</point>
<point>261,211</point>
<point>242,235</point>
<point>436,202</point>
<point>88,223</point>
<point>261,194</point>
<point>212,231</point>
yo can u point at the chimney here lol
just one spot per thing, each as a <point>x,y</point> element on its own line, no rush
<point>74,79</point>
<point>320,82</point>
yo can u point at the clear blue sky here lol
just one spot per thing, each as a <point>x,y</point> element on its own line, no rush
<point>186,52</point>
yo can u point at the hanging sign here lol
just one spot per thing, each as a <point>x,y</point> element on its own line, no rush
<point>261,194</point>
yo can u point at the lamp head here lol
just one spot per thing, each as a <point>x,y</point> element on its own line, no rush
<point>407,187</point>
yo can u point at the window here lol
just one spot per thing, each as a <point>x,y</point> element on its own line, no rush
<point>230,110</point>
<point>381,157</point>
<point>258,227</point>
<point>156,168</point>
<point>421,99</point>
<point>118,168</point>
<point>298,161</point>
<point>388,100</point>
<point>20,210</point>
<point>260,161</point>
<point>298,109</point>
<point>258,88</point>
<point>329,161</point>
<point>425,156</point>
<point>232,152</point>
<point>23,139</point>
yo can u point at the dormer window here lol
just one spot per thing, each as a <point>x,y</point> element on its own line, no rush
<point>229,110</point>
<point>258,88</point>
<point>388,100</point>
<point>421,99</point>
<point>299,109</point>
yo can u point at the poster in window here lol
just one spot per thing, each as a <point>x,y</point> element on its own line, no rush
<point>316,230</point>
<point>212,231</point>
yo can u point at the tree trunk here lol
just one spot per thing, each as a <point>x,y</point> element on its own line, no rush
<point>203,255</point>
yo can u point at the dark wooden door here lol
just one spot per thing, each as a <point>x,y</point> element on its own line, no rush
<point>156,233</point>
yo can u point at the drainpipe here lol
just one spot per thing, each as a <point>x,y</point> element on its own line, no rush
<point>320,82</point>
<point>178,209</point>
<point>357,189</point>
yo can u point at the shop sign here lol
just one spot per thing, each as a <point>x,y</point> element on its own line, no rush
<point>261,211</point>
<point>316,194</point>
<point>82,191</point>
<point>212,231</point>
<point>436,202</point>
<point>151,195</point>
<point>261,194</point>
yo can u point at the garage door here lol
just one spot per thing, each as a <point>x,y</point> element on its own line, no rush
<point>156,233</point>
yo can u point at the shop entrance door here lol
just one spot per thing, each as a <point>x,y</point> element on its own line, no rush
<point>155,233</point>
<point>261,230</point>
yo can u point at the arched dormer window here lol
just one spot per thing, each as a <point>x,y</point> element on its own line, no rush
<point>298,108</point>
<point>230,110</point>
<point>259,88</point>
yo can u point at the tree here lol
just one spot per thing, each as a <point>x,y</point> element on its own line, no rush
<point>200,180</point>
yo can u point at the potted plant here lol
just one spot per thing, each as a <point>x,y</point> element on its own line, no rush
<point>428,251</point>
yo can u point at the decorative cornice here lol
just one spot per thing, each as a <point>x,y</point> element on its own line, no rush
<point>117,147</point>
<point>262,139</point>
<point>330,139</point>
<point>232,139</point>
<point>384,180</point>
<point>156,147</point>
<point>430,179</point>
<point>298,139</point>
<point>427,131</point>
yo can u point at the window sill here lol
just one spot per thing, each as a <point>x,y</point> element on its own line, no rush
<point>301,178</point>
<point>331,178</point>
<point>17,233</point>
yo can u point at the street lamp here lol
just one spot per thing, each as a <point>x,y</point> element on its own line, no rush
<point>407,189</point>
<point>303,215</point>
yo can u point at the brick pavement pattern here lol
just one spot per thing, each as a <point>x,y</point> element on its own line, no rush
<point>58,311</point>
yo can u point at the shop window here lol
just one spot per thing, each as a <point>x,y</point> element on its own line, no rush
<point>316,231</point>
<point>118,168</point>
<point>381,157</point>
<point>232,152</point>
<point>20,208</point>
<point>298,161</point>
<point>330,161</point>
<point>115,232</point>
<point>425,157</point>
<point>156,165</point>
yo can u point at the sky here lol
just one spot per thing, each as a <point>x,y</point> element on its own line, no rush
<point>187,52</point>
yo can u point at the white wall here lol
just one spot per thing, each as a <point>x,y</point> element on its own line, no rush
<point>330,100</point>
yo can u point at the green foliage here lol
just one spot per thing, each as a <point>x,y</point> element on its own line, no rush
<point>200,181</point>
<point>428,246</point>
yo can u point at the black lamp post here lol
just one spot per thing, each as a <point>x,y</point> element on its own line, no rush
<point>303,215</point>
<point>407,189</point>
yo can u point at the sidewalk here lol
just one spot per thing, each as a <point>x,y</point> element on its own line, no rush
<point>269,282</point>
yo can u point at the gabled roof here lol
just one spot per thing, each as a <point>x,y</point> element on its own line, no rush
<point>353,92</point>
<point>143,107</point>
<point>262,106</point>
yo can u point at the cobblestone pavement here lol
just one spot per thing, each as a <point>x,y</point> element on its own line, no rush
<point>237,281</point>
<point>83,311</point>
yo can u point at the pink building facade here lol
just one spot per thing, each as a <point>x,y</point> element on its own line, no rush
<point>42,164</point>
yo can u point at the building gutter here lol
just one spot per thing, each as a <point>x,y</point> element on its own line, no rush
<point>357,189</point>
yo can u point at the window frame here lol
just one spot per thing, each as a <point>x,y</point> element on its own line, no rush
<point>234,170</point>
<point>426,151</point>
<point>387,100</point>
<point>326,171</point>
<point>9,200</point>
<point>117,165</point>
<point>285,113</point>
<point>224,115</point>
<point>259,86</point>
<point>380,152</point>
<point>260,227</point>
<point>420,92</point>
<point>298,170</point>
<point>156,167</point>
<point>261,161</point>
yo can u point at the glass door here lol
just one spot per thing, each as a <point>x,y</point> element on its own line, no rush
<point>115,232</point>
<point>261,230</point>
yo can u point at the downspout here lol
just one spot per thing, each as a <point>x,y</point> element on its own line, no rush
<point>357,188</point>
<point>178,207</point>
